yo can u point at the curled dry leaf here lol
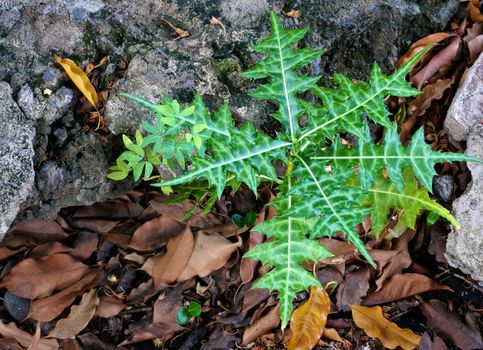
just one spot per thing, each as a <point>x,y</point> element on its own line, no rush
<point>439,64</point>
<point>448,325</point>
<point>48,308</point>
<point>155,233</point>
<point>25,339</point>
<point>211,252</point>
<point>261,326</point>
<point>419,45</point>
<point>400,262</point>
<point>430,93</point>
<point>79,317</point>
<point>80,79</point>
<point>32,278</point>
<point>402,286</point>
<point>109,306</point>
<point>308,321</point>
<point>372,321</point>
<point>475,11</point>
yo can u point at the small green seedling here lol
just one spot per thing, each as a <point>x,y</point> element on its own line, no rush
<point>193,309</point>
<point>244,221</point>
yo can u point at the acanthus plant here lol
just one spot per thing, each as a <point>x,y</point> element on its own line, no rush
<point>328,187</point>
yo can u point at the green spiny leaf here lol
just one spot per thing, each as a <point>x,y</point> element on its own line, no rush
<point>384,196</point>
<point>344,106</point>
<point>390,154</point>
<point>335,205</point>
<point>280,65</point>
<point>286,254</point>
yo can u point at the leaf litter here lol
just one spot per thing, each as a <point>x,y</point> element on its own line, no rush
<point>116,273</point>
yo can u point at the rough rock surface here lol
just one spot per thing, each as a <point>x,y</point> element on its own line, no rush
<point>467,107</point>
<point>70,164</point>
<point>465,246</point>
<point>16,158</point>
<point>465,122</point>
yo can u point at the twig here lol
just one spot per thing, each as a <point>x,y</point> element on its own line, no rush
<point>181,32</point>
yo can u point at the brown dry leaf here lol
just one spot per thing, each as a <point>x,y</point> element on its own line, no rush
<point>432,92</point>
<point>39,231</point>
<point>400,261</point>
<point>419,45</point>
<point>79,317</point>
<point>439,63</point>
<point>476,47</point>
<point>402,286</point>
<point>262,326</point>
<point>155,233</point>
<point>166,268</point>
<point>80,79</point>
<point>163,324</point>
<point>428,344</point>
<point>111,209</point>
<point>109,306</point>
<point>475,11</point>
<point>211,251</point>
<point>10,344</point>
<point>84,245</point>
<point>371,320</point>
<point>7,252</point>
<point>25,339</point>
<point>46,309</point>
<point>48,249</point>
<point>353,289</point>
<point>99,226</point>
<point>248,266</point>
<point>32,278</point>
<point>135,257</point>
<point>308,321</point>
<point>448,325</point>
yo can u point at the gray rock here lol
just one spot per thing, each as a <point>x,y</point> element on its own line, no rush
<point>465,246</point>
<point>16,158</point>
<point>443,187</point>
<point>357,33</point>
<point>176,69</point>
<point>466,110</point>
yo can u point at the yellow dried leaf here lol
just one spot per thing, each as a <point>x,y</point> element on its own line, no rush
<point>308,321</point>
<point>80,80</point>
<point>371,320</point>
